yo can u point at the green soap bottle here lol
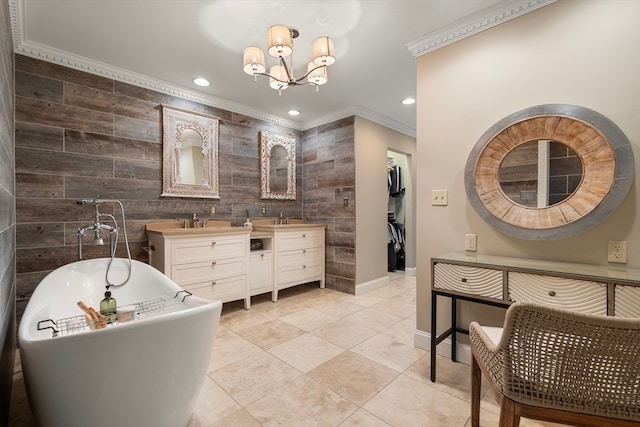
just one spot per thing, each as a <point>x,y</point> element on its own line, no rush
<point>108,307</point>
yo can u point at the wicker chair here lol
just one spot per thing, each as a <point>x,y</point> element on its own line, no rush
<point>557,365</point>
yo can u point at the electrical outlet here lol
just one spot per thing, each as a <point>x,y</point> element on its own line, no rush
<point>470,242</point>
<point>617,251</point>
<point>263,209</point>
<point>439,198</point>
<point>213,209</point>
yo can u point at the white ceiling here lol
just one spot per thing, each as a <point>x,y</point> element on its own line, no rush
<point>164,44</point>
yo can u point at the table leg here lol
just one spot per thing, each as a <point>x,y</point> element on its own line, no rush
<point>454,317</point>
<point>434,301</point>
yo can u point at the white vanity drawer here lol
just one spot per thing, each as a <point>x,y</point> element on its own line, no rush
<point>184,274</point>
<point>471,280</point>
<point>228,289</point>
<point>201,249</point>
<point>300,257</point>
<point>627,301</point>
<point>570,294</point>
<point>300,273</point>
<point>300,240</point>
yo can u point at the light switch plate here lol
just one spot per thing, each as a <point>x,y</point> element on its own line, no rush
<point>439,198</point>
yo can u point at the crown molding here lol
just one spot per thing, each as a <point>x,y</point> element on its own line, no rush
<point>473,24</point>
<point>66,59</point>
<point>126,76</point>
<point>363,112</point>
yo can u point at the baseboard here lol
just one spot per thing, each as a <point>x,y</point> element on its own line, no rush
<point>422,340</point>
<point>372,285</point>
<point>411,271</point>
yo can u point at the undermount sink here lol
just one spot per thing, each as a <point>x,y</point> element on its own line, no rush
<point>204,226</point>
<point>289,223</point>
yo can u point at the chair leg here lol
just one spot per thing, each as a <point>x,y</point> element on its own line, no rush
<point>508,415</point>
<point>476,382</point>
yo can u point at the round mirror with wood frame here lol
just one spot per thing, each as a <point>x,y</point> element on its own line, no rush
<point>607,171</point>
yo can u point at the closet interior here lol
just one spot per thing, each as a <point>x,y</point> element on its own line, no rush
<point>395,215</point>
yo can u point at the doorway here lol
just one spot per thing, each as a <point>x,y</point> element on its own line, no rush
<point>400,217</point>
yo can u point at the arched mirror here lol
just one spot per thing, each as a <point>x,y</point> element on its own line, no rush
<point>277,166</point>
<point>594,162</point>
<point>190,168</point>
<point>190,154</point>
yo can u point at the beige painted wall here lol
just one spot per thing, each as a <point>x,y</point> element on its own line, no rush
<point>577,52</point>
<point>371,143</point>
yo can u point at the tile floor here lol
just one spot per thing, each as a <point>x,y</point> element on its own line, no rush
<point>319,357</point>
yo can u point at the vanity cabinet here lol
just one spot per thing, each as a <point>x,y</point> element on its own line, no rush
<point>500,281</point>
<point>211,265</point>
<point>298,254</point>
<point>261,278</point>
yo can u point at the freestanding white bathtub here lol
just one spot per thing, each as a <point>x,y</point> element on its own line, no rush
<point>145,372</point>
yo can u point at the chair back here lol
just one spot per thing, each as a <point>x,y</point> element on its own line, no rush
<point>571,361</point>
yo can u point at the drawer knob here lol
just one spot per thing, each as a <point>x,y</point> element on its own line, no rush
<point>552,293</point>
<point>213,243</point>
<point>261,255</point>
<point>213,283</point>
<point>213,263</point>
<point>463,280</point>
<point>304,235</point>
<point>304,266</point>
<point>304,251</point>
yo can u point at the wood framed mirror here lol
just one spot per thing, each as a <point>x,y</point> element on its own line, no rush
<point>277,166</point>
<point>190,154</point>
<point>606,171</point>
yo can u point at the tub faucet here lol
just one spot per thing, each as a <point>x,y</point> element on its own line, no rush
<point>97,227</point>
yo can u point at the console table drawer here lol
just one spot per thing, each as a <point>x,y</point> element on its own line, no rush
<point>570,294</point>
<point>471,280</point>
<point>627,301</point>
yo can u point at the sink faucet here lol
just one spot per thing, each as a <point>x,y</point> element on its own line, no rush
<point>282,220</point>
<point>194,221</point>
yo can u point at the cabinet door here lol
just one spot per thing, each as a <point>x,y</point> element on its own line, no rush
<point>261,272</point>
<point>471,280</point>
<point>570,294</point>
<point>627,301</point>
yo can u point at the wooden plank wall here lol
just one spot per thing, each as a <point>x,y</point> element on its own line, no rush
<point>80,135</point>
<point>7,217</point>
<point>329,176</point>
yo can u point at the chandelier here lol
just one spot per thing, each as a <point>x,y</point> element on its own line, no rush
<point>280,45</point>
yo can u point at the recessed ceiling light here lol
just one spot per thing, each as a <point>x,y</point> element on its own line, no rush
<point>408,101</point>
<point>201,81</point>
<point>294,112</point>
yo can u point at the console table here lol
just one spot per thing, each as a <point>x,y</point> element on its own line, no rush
<point>499,281</point>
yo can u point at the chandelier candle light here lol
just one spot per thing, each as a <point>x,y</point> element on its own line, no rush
<point>280,45</point>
